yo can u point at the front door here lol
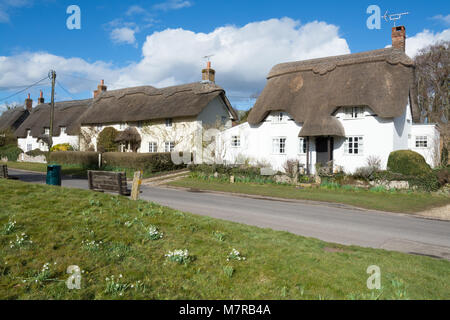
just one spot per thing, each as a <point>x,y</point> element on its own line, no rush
<point>324,150</point>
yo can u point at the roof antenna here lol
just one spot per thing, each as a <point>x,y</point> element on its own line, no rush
<point>208,58</point>
<point>394,17</point>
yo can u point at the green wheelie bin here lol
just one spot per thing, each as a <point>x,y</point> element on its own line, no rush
<point>54,175</point>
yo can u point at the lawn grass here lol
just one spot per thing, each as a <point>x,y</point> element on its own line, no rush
<point>278,265</point>
<point>384,201</point>
<point>73,169</point>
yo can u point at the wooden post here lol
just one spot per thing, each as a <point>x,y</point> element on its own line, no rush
<point>137,180</point>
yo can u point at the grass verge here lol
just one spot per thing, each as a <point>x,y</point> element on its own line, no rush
<point>384,201</point>
<point>45,229</point>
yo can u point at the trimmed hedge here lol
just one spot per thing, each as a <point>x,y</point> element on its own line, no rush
<point>408,162</point>
<point>150,162</point>
<point>62,147</point>
<point>11,152</point>
<point>85,159</point>
<point>106,140</point>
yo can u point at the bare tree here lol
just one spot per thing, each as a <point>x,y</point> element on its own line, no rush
<point>432,77</point>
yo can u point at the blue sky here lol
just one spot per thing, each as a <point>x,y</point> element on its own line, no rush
<point>162,42</point>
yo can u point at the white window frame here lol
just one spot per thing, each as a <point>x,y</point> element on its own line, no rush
<point>47,131</point>
<point>279,145</point>
<point>354,112</point>
<point>169,123</point>
<point>29,147</point>
<point>279,117</point>
<point>352,144</point>
<point>301,145</point>
<point>421,142</point>
<point>153,147</point>
<point>63,130</point>
<point>169,146</point>
<point>236,141</point>
<point>28,132</point>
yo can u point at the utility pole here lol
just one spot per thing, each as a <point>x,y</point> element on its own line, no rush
<point>52,76</point>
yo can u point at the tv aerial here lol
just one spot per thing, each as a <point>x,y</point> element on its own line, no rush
<point>208,58</point>
<point>394,17</point>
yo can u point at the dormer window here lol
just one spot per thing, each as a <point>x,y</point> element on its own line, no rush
<point>279,117</point>
<point>63,130</point>
<point>169,122</point>
<point>28,132</point>
<point>354,112</point>
<point>47,131</point>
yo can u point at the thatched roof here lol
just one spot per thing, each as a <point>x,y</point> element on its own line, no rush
<point>149,103</point>
<point>13,118</point>
<point>128,135</point>
<point>312,90</point>
<point>67,114</point>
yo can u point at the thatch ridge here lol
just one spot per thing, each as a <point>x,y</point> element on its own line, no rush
<point>149,103</point>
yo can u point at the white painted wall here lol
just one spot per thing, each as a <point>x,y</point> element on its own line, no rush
<point>30,141</point>
<point>214,113</point>
<point>432,152</point>
<point>380,136</point>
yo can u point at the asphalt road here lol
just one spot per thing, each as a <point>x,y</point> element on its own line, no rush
<point>328,222</point>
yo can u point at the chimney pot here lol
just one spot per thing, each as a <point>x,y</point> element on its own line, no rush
<point>100,88</point>
<point>41,98</point>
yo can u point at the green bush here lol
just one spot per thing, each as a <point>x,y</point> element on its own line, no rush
<point>106,140</point>
<point>150,162</point>
<point>444,157</point>
<point>408,162</point>
<point>7,138</point>
<point>11,152</point>
<point>87,160</point>
<point>443,176</point>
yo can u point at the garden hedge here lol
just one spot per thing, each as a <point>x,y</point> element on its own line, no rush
<point>85,159</point>
<point>151,162</point>
<point>106,140</point>
<point>11,152</point>
<point>408,162</point>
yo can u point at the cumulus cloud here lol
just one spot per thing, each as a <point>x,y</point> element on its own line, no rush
<point>243,56</point>
<point>172,5</point>
<point>123,35</point>
<point>425,39</point>
<point>444,19</point>
<point>7,5</point>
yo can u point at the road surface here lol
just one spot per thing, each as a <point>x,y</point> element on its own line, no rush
<point>328,222</point>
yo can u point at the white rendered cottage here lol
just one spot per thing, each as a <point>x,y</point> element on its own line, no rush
<point>158,119</point>
<point>34,132</point>
<point>343,109</point>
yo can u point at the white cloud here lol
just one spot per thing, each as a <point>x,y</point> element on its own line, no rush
<point>443,19</point>
<point>123,35</point>
<point>134,10</point>
<point>172,5</point>
<point>7,5</point>
<point>243,56</point>
<point>425,39</point>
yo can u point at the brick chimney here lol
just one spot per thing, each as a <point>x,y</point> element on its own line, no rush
<point>29,103</point>
<point>208,74</point>
<point>41,98</point>
<point>399,38</point>
<point>100,88</point>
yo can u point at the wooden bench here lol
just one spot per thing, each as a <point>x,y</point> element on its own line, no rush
<point>108,181</point>
<point>3,171</point>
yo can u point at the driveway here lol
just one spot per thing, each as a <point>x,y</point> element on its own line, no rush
<point>328,222</point>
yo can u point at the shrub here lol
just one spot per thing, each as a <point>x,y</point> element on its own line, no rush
<point>7,138</point>
<point>36,153</point>
<point>291,167</point>
<point>408,162</point>
<point>11,152</point>
<point>152,162</point>
<point>106,140</point>
<point>62,147</point>
<point>365,173</point>
<point>87,160</point>
<point>443,176</point>
<point>374,162</point>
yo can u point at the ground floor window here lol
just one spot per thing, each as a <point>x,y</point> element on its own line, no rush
<point>153,147</point>
<point>421,142</point>
<point>236,141</point>
<point>169,146</point>
<point>354,145</point>
<point>29,147</point>
<point>279,145</point>
<point>302,145</point>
